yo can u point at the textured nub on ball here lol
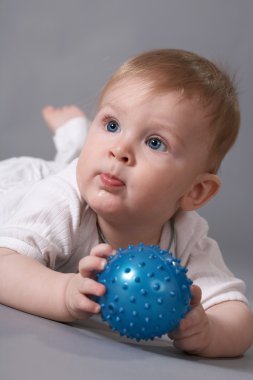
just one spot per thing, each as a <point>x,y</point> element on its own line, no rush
<point>147,292</point>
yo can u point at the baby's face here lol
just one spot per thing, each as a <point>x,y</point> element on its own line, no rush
<point>142,154</point>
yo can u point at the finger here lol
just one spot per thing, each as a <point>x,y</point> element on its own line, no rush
<point>190,325</point>
<point>196,295</point>
<point>193,318</point>
<point>178,334</point>
<point>102,250</point>
<point>91,287</point>
<point>84,305</point>
<point>90,264</point>
<point>189,344</point>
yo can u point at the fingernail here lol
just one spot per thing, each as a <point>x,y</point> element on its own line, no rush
<point>103,264</point>
<point>97,309</point>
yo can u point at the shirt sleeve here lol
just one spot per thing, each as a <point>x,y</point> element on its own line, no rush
<point>44,222</point>
<point>206,267</point>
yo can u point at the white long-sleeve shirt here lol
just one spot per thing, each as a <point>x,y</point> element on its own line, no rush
<point>47,219</point>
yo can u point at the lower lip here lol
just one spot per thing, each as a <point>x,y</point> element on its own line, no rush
<point>110,181</point>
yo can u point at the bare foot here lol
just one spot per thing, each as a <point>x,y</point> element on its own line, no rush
<point>56,117</point>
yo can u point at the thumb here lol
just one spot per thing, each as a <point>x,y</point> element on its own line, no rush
<point>196,295</point>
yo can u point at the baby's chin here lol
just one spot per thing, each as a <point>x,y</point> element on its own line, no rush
<point>107,205</point>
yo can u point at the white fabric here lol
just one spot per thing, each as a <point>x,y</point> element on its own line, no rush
<point>25,171</point>
<point>69,139</point>
<point>51,223</point>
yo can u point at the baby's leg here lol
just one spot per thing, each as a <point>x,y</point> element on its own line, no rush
<point>18,174</point>
<point>69,125</point>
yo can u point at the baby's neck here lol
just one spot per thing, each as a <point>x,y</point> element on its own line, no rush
<point>118,236</point>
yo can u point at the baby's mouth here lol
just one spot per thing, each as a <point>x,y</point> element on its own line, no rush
<point>111,181</point>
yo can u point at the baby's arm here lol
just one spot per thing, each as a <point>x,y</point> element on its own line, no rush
<point>223,330</point>
<point>27,285</point>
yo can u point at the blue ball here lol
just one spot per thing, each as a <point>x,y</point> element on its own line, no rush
<point>147,292</point>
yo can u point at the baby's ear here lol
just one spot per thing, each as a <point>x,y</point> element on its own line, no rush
<point>205,187</point>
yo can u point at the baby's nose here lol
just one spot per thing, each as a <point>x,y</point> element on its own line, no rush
<point>123,153</point>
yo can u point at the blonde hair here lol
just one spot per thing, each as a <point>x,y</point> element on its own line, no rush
<point>194,76</point>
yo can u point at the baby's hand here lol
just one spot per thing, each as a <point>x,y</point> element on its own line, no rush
<point>194,333</point>
<point>82,285</point>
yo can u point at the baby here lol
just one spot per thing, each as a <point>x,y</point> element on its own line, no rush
<point>164,122</point>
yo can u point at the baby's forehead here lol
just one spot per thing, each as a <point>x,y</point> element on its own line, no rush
<point>124,89</point>
<point>133,94</point>
<point>138,88</point>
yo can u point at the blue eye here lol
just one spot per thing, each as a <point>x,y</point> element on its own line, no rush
<point>156,144</point>
<point>112,126</point>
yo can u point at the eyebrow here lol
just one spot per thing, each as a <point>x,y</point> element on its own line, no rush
<point>111,108</point>
<point>168,128</point>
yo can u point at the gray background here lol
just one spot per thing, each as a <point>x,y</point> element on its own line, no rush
<point>61,52</point>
